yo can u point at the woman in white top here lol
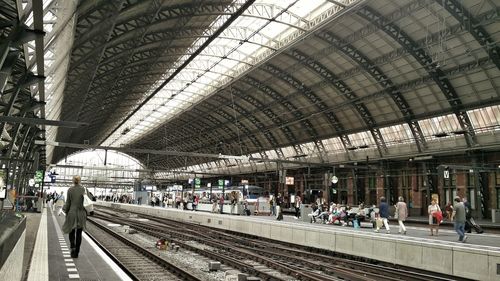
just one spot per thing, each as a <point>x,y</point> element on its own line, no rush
<point>401,214</point>
<point>433,222</point>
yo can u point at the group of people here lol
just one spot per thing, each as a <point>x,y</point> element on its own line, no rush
<point>459,213</point>
<point>335,213</point>
<point>56,201</point>
<point>400,213</point>
<point>276,206</point>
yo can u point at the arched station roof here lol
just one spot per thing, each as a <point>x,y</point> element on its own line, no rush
<point>311,81</point>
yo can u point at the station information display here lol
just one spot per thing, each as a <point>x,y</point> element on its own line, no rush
<point>3,184</point>
<point>38,176</point>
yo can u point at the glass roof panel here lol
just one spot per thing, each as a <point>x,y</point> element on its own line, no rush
<point>397,134</point>
<point>333,145</point>
<point>362,139</point>
<point>288,152</point>
<point>485,119</point>
<point>309,149</point>
<point>439,127</point>
<point>274,19</point>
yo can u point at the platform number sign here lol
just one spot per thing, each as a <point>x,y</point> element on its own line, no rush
<point>197,183</point>
<point>38,176</point>
<point>446,174</point>
<point>221,183</point>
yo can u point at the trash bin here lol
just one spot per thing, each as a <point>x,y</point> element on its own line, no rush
<point>305,210</point>
<point>495,215</point>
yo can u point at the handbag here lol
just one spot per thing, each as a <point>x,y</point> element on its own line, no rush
<point>438,215</point>
<point>87,203</point>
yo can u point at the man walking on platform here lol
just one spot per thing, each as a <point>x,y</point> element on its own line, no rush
<point>459,217</point>
<point>384,215</point>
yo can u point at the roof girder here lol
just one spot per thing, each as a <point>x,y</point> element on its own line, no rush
<point>432,67</point>
<point>474,27</point>
<point>344,89</point>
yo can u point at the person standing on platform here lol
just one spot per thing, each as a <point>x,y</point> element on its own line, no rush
<point>298,202</point>
<point>434,222</point>
<point>214,203</point>
<point>196,200</point>
<point>459,219</point>
<point>221,203</point>
<point>384,215</point>
<point>279,206</point>
<point>448,210</point>
<point>12,197</point>
<point>272,205</point>
<point>401,214</point>
<point>76,216</point>
<point>60,203</point>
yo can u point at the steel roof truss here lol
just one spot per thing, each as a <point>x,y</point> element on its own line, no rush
<point>426,61</point>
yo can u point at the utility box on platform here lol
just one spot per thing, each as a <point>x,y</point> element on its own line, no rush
<point>495,215</point>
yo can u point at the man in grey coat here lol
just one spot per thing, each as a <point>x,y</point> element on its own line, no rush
<point>459,217</point>
<point>76,216</point>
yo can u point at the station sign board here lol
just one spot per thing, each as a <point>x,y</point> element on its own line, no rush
<point>38,176</point>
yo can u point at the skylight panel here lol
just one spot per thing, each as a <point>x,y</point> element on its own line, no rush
<point>309,149</point>
<point>288,151</point>
<point>440,126</point>
<point>397,134</point>
<point>333,144</point>
<point>156,114</point>
<point>273,29</point>
<point>485,119</point>
<point>234,51</point>
<point>361,139</point>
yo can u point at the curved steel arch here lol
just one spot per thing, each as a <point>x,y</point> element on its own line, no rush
<point>250,116</point>
<point>229,119</point>
<point>184,12</point>
<point>229,21</point>
<point>232,119</point>
<point>274,12</point>
<point>124,20</point>
<point>267,111</point>
<point>343,88</point>
<point>292,108</point>
<point>147,51</point>
<point>313,99</point>
<point>472,25</point>
<point>433,69</point>
<point>203,118</point>
<point>384,81</point>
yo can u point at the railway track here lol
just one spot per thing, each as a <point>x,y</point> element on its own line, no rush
<point>137,262</point>
<point>274,258</point>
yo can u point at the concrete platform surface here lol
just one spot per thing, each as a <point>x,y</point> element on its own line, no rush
<point>52,261</point>
<point>478,259</point>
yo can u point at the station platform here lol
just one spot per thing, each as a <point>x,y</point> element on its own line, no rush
<point>51,259</point>
<point>478,259</point>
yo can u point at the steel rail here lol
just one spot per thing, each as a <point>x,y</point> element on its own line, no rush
<point>204,236</point>
<point>182,274</point>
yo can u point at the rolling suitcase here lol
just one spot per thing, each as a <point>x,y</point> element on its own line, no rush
<point>472,224</point>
